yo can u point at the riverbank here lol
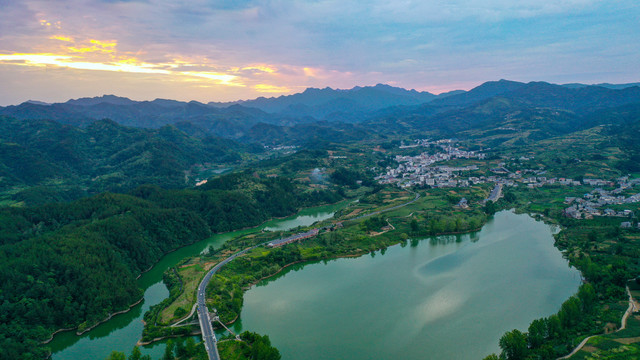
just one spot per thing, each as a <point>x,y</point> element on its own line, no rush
<point>412,298</point>
<point>159,266</point>
<point>350,241</point>
<point>602,251</point>
<point>79,333</point>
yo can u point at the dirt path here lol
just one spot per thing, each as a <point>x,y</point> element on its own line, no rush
<point>631,309</point>
<point>623,325</point>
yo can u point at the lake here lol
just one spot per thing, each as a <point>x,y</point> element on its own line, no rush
<point>123,331</point>
<point>447,297</point>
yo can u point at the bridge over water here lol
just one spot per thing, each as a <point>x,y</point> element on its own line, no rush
<point>205,319</point>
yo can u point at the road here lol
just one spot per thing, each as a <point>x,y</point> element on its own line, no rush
<point>623,325</point>
<point>208,335</point>
<point>495,193</point>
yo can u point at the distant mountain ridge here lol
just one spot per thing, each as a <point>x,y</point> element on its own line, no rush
<point>604,85</point>
<point>327,100</point>
<point>323,113</point>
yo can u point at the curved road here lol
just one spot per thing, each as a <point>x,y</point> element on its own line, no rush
<point>208,335</point>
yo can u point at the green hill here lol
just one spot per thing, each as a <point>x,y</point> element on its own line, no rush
<point>105,156</point>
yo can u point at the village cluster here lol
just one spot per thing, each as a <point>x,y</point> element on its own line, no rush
<point>592,204</point>
<point>420,171</point>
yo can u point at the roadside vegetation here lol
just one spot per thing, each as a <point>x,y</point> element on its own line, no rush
<point>72,265</point>
<point>346,235</point>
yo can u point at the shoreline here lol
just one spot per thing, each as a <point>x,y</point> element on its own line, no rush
<point>78,333</point>
<point>354,255</point>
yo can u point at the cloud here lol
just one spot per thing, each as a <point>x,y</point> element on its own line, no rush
<point>291,44</point>
<point>266,88</point>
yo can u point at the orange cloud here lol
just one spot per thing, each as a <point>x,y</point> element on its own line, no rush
<point>103,55</point>
<point>96,47</point>
<point>266,88</point>
<point>61,38</point>
<point>263,68</point>
<point>104,44</point>
<point>310,72</point>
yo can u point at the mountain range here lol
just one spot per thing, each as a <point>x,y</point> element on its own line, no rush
<point>359,104</point>
<point>115,143</point>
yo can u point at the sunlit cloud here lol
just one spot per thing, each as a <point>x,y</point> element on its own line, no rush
<point>223,79</point>
<point>61,38</point>
<point>309,72</point>
<point>129,65</point>
<point>105,57</point>
<point>266,88</point>
<point>67,61</point>
<point>104,44</point>
<point>240,49</point>
<point>263,68</point>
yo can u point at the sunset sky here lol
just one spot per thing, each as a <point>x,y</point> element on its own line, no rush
<point>54,50</point>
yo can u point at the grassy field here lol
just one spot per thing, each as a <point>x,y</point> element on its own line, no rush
<point>190,275</point>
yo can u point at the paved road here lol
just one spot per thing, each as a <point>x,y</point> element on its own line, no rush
<point>495,193</point>
<point>623,325</point>
<point>208,335</point>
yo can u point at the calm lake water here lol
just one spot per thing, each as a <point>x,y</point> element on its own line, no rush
<point>449,297</point>
<point>123,331</point>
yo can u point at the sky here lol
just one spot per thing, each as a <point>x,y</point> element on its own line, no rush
<point>224,50</point>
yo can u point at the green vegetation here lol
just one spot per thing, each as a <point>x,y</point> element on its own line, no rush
<point>44,161</point>
<point>606,255</point>
<point>60,264</point>
<point>355,238</point>
<point>251,346</point>
<point>95,248</point>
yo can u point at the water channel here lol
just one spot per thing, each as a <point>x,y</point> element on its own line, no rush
<point>123,331</point>
<point>448,297</point>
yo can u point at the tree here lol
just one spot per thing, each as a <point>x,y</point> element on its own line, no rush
<point>414,226</point>
<point>554,327</point>
<point>509,197</point>
<point>489,208</point>
<point>588,297</point>
<point>116,355</point>
<point>168,351</point>
<point>537,333</point>
<point>491,357</point>
<point>181,350</point>
<point>513,345</point>
<point>569,313</point>
<point>190,347</point>
<point>135,354</point>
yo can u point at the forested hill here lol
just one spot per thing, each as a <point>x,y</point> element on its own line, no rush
<point>532,111</point>
<point>105,156</point>
<point>69,265</point>
<point>319,114</point>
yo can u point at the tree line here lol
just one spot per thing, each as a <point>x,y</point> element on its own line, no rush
<point>71,265</point>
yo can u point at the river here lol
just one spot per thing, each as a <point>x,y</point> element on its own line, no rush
<point>123,331</point>
<point>448,297</point>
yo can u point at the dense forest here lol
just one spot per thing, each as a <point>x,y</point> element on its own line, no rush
<point>71,265</point>
<point>47,161</point>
